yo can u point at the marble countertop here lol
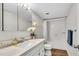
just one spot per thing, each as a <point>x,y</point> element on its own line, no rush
<point>19,49</point>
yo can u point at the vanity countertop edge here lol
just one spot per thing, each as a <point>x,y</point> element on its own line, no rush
<point>17,51</point>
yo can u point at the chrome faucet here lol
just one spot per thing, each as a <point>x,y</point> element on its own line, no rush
<point>0,45</point>
<point>15,41</point>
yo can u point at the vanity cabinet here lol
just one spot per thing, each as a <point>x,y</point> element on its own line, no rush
<point>37,50</point>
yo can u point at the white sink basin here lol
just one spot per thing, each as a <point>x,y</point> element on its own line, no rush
<point>10,51</point>
<point>15,49</point>
<point>24,44</point>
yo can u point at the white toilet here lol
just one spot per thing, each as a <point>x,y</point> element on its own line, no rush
<point>47,49</point>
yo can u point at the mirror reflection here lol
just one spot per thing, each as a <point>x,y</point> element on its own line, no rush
<point>24,18</point>
<point>10,17</point>
<point>0,16</point>
<point>15,17</point>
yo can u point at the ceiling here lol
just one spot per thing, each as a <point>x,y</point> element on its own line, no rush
<point>43,10</point>
<point>51,10</point>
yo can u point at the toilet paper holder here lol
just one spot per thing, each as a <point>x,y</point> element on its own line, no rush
<point>76,46</point>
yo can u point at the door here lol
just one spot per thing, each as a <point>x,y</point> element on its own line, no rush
<point>57,36</point>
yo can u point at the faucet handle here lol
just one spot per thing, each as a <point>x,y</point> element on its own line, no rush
<point>14,41</point>
<point>22,37</point>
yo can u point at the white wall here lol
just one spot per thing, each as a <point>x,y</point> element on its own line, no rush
<point>77,23</point>
<point>71,23</point>
<point>45,31</point>
<point>78,26</point>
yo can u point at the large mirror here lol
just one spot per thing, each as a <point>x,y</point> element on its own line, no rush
<point>24,18</point>
<point>10,17</point>
<point>15,17</point>
<point>0,16</point>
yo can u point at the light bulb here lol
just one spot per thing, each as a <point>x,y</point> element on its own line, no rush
<point>34,24</point>
<point>31,29</point>
<point>24,5</point>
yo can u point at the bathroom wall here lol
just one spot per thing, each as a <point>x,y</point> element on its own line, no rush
<point>71,23</point>
<point>77,23</point>
<point>46,30</point>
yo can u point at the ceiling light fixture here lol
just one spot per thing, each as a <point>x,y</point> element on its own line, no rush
<point>24,5</point>
<point>47,13</point>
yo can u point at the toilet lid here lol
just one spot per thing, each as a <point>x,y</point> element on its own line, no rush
<point>47,46</point>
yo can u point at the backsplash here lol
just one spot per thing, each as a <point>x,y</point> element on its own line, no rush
<point>10,35</point>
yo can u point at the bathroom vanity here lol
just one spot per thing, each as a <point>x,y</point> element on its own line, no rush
<point>33,47</point>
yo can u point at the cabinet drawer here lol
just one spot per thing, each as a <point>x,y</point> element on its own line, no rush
<point>35,51</point>
<point>42,51</point>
